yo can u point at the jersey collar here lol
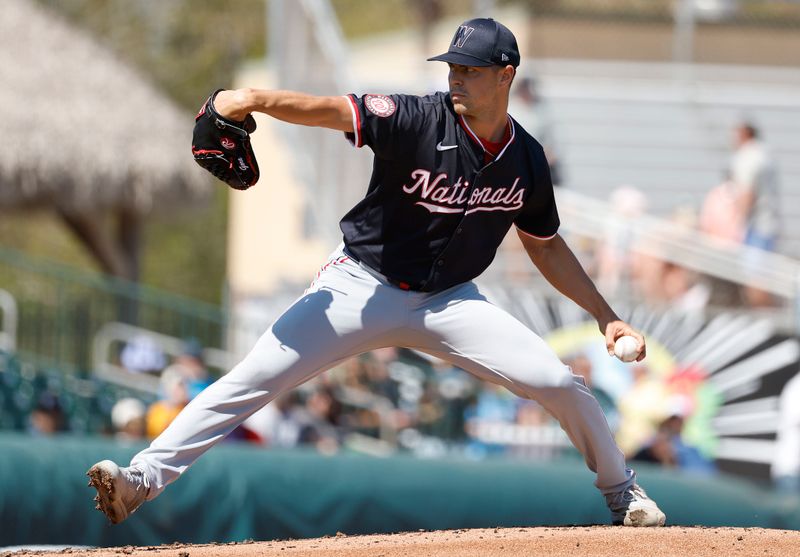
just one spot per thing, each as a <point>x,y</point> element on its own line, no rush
<point>463,122</point>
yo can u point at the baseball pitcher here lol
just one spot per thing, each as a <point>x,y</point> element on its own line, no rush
<point>452,173</point>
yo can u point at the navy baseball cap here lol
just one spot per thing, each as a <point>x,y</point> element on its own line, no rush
<point>482,42</point>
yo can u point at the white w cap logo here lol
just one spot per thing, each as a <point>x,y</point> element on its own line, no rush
<point>462,35</point>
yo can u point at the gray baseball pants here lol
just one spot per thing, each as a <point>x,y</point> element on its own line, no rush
<point>350,309</point>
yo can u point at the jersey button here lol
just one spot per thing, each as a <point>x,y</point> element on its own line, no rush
<point>440,262</point>
<point>459,229</point>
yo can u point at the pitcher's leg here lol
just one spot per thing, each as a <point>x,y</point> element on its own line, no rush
<point>461,326</point>
<point>268,371</point>
<point>321,329</point>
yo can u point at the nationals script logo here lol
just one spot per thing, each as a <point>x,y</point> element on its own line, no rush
<point>438,196</point>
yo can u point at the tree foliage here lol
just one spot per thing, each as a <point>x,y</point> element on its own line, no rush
<point>186,48</point>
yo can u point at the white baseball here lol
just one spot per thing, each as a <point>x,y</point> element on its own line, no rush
<point>626,349</point>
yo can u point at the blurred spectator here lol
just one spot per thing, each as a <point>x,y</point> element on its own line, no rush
<point>661,281</point>
<point>721,215</point>
<point>455,391</point>
<point>683,289</point>
<point>142,355</point>
<point>786,460</point>
<point>668,448</point>
<point>494,408</point>
<point>128,418</point>
<point>659,449</point>
<point>754,175</point>
<point>411,374</point>
<point>531,414</point>
<point>430,411</point>
<point>189,364</point>
<point>722,218</point>
<point>541,432</point>
<point>320,420</point>
<point>47,417</point>
<point>174,396</point>
<point>533,114</point>
<point>640,409</point>
<point>375,366</point>
<point>277,424</point>
<point>353,373</point>
<point>614,258</point>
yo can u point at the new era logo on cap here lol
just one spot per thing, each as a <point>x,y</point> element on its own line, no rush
<point>482,42</point>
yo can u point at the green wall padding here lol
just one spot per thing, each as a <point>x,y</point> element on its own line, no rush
<point>238,492</point>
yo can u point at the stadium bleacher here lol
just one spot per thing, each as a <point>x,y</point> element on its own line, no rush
<point>85,402</point>
<point>670,133</point>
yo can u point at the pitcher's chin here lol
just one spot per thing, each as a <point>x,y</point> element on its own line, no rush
<point>460,109</point>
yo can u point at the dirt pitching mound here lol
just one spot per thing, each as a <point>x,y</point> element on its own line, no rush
<point>590,541</point>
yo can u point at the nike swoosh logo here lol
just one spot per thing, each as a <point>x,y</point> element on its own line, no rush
<point>440,147</point>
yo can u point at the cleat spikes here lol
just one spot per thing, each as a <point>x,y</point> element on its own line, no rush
<point>120,491</point>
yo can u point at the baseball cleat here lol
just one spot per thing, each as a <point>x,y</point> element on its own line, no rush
<point>632,507</point>
<point>120,491</point>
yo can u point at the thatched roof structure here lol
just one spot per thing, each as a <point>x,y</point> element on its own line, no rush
<point>80,130</point>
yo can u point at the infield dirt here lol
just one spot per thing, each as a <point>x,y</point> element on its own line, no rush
<point>594,541</point>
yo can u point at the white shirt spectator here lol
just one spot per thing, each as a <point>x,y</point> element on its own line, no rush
<point>753,171</point>
<point>143,355</point>
<point>786,461</point>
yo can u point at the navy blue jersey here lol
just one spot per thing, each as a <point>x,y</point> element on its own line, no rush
<point>435,212</point>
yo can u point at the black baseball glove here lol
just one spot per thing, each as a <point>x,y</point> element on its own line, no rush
<point>222,146</point>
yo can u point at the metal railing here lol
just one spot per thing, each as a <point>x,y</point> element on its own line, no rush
<point>8,322</point>
<point>111,337</point>
<point>690,248</point>
<point>60,308</point>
